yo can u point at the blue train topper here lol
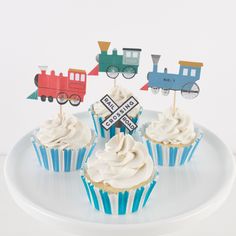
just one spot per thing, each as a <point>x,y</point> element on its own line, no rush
<point>184,81</point>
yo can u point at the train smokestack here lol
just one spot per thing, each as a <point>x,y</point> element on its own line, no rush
<point>104,45</point>
<point>43,69</point>
<point>155,60</point>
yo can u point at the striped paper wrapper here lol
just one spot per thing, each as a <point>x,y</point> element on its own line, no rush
<point>120,203</point>
<point>108,134</point>
<point>164,155</point>
<point>63,160</point>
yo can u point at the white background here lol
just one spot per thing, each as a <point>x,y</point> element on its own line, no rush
<point>64,34</point>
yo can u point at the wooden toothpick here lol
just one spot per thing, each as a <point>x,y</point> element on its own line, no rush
<point>174,103</point>
<point>60,114</point>
<point>118,132</point>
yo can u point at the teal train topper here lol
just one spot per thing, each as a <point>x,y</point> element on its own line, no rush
<point>113,63</point>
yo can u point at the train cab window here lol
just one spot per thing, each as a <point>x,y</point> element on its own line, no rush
<point>185,71</point>
<point>82,77</point>
<point>135,54</point>
<point>71,76</point>
<point>77,77</point>
<point>128,54</point>
<point>193,72</point>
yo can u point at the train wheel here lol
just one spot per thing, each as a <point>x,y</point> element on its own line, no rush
<point>62,98</point>
<point>36,80</point>
<point>75,100</point>
<point>50,99</point>
<point>128,72</point>
<point>112,72</point>
<point>165,92</point>
<point>155,90</point>
<point>43,98</point>
<point>190,90</point>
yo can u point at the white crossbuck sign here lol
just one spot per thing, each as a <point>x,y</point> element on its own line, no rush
<point>119,112</point>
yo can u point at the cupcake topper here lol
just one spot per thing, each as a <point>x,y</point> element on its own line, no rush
<point>64,88</point>
<point>119,113</point>
<point>113,64</point>
<point>184,81</point>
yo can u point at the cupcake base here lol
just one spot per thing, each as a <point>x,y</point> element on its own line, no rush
<point>167,155</point>
<point>120,203</point>
<point>66,160</point>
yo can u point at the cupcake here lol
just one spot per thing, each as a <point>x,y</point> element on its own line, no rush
<point>99,113</point>
<point>171,140</point>
<point>63,144</point>
<point>120,179</point>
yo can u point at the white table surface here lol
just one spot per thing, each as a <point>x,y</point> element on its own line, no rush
<point>14,221</point>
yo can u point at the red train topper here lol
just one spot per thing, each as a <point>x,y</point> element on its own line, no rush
<point>71,87</point>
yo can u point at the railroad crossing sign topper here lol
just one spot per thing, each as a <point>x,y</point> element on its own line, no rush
<point>119,113</point>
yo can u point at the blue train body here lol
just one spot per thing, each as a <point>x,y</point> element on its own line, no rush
<point>184,81</point>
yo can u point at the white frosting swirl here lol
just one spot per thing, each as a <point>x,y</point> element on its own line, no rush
<point>172,128</point>
<point>119,96</point>
<point>123,164</point>
<point>67,132</point>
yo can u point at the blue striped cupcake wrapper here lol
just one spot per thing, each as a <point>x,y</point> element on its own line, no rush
<point>164,155</point>
<point>63,160</point>
<point>108,134</point>
<point>120,203</point>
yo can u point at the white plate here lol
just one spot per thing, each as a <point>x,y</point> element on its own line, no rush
<point>183,194</point>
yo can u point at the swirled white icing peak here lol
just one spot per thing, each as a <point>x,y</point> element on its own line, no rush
<point>172,128</point>
<point>64,132</point>
<point>119,95</point>
<point>123,164</point>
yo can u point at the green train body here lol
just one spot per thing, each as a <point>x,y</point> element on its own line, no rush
<point>113,64</point>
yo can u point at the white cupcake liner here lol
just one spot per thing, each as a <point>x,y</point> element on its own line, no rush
<point>108,134</point>
<point>63,160</point>
<point>120,203</point>
<point>171,156</point>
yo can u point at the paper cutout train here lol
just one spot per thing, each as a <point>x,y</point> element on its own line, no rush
<point>184,81</point>
<point>72,87</point>
<point>64,88</point>
<point>113,64</point>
